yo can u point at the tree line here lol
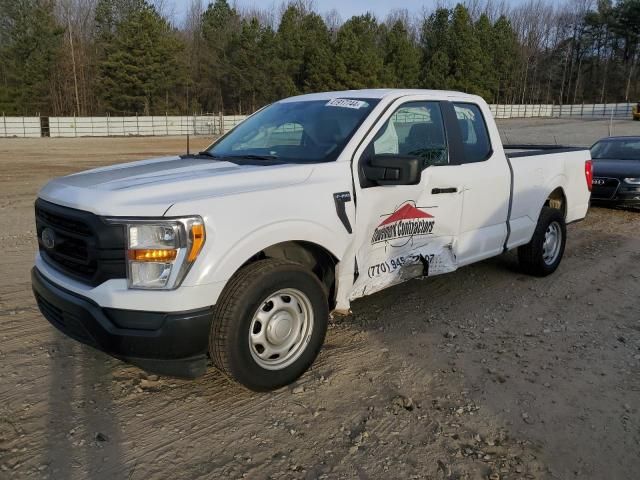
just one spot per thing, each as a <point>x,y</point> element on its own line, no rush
<point>91,57</point>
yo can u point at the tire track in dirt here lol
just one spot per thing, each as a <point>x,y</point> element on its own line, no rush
<point>430,378</point>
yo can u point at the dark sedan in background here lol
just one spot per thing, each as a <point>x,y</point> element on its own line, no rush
<point>616,171</point>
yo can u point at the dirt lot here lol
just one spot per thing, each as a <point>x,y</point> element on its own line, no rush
<point>483,373</point>
<point>564,131</point>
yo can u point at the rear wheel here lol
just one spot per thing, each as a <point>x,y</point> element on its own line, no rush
<point>542,255</point>
<point>269,324</point>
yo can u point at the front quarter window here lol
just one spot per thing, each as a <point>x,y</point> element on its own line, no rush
<point>296,131</point>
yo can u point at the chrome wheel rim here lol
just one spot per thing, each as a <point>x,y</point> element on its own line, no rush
<point>552,243</point>
<point>280,329</point>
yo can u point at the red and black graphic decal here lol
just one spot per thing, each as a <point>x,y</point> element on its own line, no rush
<point>405,223</point>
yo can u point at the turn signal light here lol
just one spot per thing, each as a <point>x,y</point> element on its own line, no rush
<point>153,255</point>
<point>197,240</point>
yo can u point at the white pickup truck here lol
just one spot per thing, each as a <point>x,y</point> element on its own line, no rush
<point>239,253</point>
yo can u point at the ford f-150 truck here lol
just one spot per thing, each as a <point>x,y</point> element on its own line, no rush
<point>239,253</point>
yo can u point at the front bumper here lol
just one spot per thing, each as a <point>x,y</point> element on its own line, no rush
<point>174,344</point>
<point>622,198</point>
<point>616,192</point>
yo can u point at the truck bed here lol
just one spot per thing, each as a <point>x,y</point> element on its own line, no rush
<point>535,169</point>
<point>524,150</point>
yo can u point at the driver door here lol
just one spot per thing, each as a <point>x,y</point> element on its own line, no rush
<point>406,231</point>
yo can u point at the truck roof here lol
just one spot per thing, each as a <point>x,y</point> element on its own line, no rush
<point>379,93</point>
<point>621,138</point>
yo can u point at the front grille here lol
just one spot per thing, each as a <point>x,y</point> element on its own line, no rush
<point>84,246</point>
<point>607,190</point>
<point>60,222</point>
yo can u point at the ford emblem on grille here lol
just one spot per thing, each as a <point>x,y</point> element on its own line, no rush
<point>48,238</point>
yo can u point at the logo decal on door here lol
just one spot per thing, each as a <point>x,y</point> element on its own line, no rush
<point>401,226</point>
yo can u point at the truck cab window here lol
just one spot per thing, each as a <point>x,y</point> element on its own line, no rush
<point>296,131</point>
<point>285,134</point>
<point>415,129</point>
<point>473,129</point>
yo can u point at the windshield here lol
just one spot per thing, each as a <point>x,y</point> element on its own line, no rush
<point>617,149</point>
<point>296,132</point>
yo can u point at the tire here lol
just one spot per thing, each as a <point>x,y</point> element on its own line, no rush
<point>536,259</point>
<point>253,316</point>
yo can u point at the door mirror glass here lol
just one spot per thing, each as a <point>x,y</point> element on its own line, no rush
<point>390,169</point>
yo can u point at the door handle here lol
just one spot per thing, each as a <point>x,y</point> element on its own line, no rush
<point>435,191</point>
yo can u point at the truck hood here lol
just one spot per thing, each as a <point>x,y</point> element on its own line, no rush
<point>616,168</point>
<point>150,187</point>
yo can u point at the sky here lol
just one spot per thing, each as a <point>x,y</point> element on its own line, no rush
<point>346,8</point>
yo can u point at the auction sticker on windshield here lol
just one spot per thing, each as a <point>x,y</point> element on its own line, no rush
<point>346,103</point>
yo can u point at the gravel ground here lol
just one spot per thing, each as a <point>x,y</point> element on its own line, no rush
<point>484,373</point>
<point>564,131</point>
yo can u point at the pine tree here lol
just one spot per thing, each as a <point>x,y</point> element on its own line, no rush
<point>30,42</point>
<point>220,25</point>
<point>465,52</point>
<point>245,73</point>
<point>505,59</point>
<point>290,38</point>
<point>278,84</point>
<point>435,44</point>
<point>627,25</point>
<point>316,74</point>
<point>359,54</point>
<point>401,58</point>
<point>486,84</point>
<point>139,67</point>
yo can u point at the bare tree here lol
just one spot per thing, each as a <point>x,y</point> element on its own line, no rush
<point>333,20</point>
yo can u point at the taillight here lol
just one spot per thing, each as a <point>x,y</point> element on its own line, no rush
<point>588,173</point>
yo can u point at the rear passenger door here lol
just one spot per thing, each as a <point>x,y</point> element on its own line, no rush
<point>486,184</point>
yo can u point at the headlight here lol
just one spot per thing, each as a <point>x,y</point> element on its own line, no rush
<point>632,181</point>
<point>160,252</point>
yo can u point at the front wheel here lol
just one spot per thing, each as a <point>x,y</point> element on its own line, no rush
<point>542,255</point>
<point>269,324</point>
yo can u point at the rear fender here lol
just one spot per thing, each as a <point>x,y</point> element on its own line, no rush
<point>557,182</point>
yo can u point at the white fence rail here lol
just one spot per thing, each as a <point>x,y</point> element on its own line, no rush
<point>141,126</point>
<point>117,126</point>
<point>581,110</point>
<point>20,127</point>
<point>163,125</point>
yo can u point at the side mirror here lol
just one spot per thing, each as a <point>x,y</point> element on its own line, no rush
<point>388,169</point>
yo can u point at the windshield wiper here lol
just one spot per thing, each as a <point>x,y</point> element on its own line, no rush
<point>207,153</point>
<point>254,157</point>
<point>201,154</point>
<point>239,159</point>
